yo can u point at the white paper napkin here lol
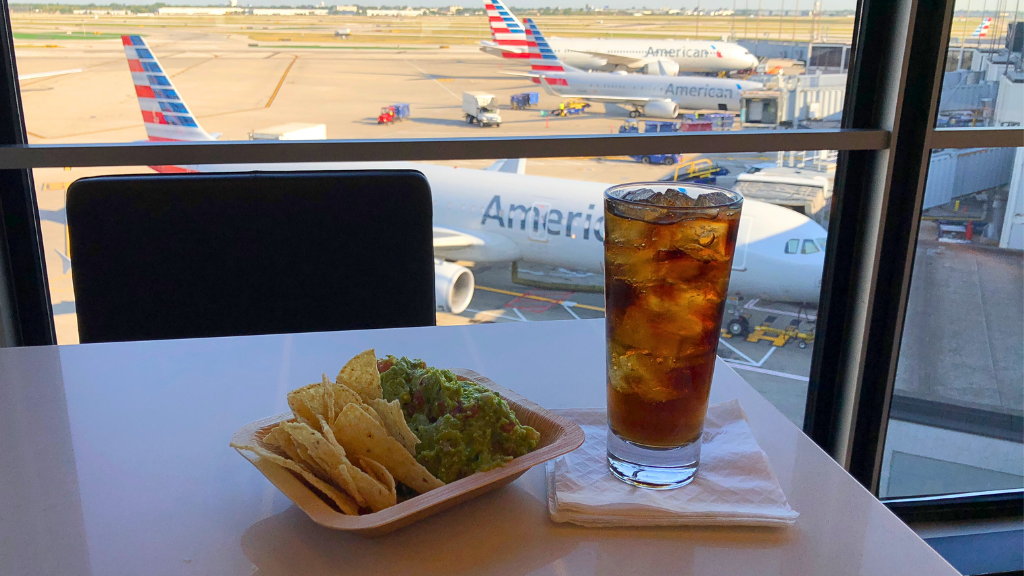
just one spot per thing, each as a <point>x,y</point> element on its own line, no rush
<point>734,485</point>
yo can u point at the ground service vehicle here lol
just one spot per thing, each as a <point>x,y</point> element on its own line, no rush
<point>657,158</point>
<point>393,113</point>
<point>702,171</point>
<point>481,108</point>
<point>524,100</point>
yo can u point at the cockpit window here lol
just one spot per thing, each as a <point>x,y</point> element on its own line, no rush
<point>792,246</point>
<point>810,247</point>
<point>821,243</point>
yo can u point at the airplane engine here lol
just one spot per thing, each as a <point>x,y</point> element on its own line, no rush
<point>662,68</point>
<point>453,286</point>
<point>661,109</point>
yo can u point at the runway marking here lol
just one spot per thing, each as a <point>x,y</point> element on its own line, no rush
<point>496,315</point>
<point>733,348</point>
<point>422,71</point>
<point>281,81</point>
<point>520,314</point>
<point>742,366</point>
<point>569,310</point>
<point>541,298</point>
<point>180,72</point>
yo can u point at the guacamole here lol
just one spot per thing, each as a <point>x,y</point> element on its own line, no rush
<point>463,427</point>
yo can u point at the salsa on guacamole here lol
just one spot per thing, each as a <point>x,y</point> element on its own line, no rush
<point>463,427</point>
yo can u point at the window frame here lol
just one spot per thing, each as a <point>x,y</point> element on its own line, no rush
<point>884,143</point>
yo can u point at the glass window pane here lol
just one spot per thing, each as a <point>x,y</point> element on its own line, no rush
<point>775,281</point>
<point>958,403</point>
<point>984,81</point>
<point>323,73</point>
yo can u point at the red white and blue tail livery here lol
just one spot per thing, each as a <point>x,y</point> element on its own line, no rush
<point>982,30</point>
<point>543,61</point>
<point>506,31</point>
<point>164,112</point>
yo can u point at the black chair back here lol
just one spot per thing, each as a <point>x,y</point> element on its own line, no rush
<point>197,255</point>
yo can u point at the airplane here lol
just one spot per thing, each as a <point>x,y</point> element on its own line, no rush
<point>663,57</point>
<point>982,30</point>
<point>654,96</point>
<point>503,215</point>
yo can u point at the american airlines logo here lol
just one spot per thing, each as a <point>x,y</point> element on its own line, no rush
<point>678,53</point>
<point>698,91</point>
<point>543,219</point>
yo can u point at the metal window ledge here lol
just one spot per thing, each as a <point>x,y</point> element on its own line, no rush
<point>179,153</point>
<point>976,138</point>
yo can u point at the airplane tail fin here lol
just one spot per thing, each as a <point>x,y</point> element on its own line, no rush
<point>506,30</point>
<point>164,112</point>
<point>982,30</point>
<point>543,60</point>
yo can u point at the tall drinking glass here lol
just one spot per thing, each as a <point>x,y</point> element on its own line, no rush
<point>668,256</point>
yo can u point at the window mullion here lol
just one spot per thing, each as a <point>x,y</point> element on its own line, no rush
<point>895,86</point>
<point>26,318</point>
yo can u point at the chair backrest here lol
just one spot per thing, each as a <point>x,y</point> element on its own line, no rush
<point>197,255</point>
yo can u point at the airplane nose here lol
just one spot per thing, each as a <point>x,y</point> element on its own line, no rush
<point>751,61</point>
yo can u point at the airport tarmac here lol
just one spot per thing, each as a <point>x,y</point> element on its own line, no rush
<point>234,88</point>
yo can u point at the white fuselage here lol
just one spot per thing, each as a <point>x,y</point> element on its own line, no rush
<point>691,55</point>
<point>689,92</point>
<point>561,223</point>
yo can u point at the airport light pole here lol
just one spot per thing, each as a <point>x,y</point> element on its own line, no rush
<point>782,16</point>
<point>732,23</point>
<point>796,18</point>
<point>697,13</point>
<point>746,16</point>
<point>757,23</point>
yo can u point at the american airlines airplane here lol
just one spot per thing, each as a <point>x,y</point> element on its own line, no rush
<point>982,30</point>
<point>655,96</point>
<point>664,57</point>
<point>503,215</point>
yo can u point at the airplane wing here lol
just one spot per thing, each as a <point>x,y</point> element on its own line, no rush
<point>476,246</point>
<point>611,99</point>
<point>616,60</point>
<point>493,48</point>
<point>451,238</point>
<point>48,74</point>
<point>522,74</point>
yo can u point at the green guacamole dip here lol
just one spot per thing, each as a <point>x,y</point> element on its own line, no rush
<point>463,427</point>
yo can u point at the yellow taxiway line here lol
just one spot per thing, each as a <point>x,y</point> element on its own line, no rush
<point>540,298</point>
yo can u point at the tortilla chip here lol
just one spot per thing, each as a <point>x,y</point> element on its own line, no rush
<point>394,422</point>
<point>307,402</point>
<point>379,493</point>
<point>380,473</point>
<point>328,459</point>
<point>360,374</point>
<point>344,503</point>
<point>279,438</point>
<point>343,396</point>
<point>321,399</point>
<point>363,437</point>
<point>328,391</point>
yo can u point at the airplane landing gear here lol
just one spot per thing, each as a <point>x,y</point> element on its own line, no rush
<point>738,327</point>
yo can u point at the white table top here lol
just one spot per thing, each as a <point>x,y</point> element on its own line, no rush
<point>114,459</point>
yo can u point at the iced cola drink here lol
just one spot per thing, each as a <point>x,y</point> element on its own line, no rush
<point>668,256</point>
